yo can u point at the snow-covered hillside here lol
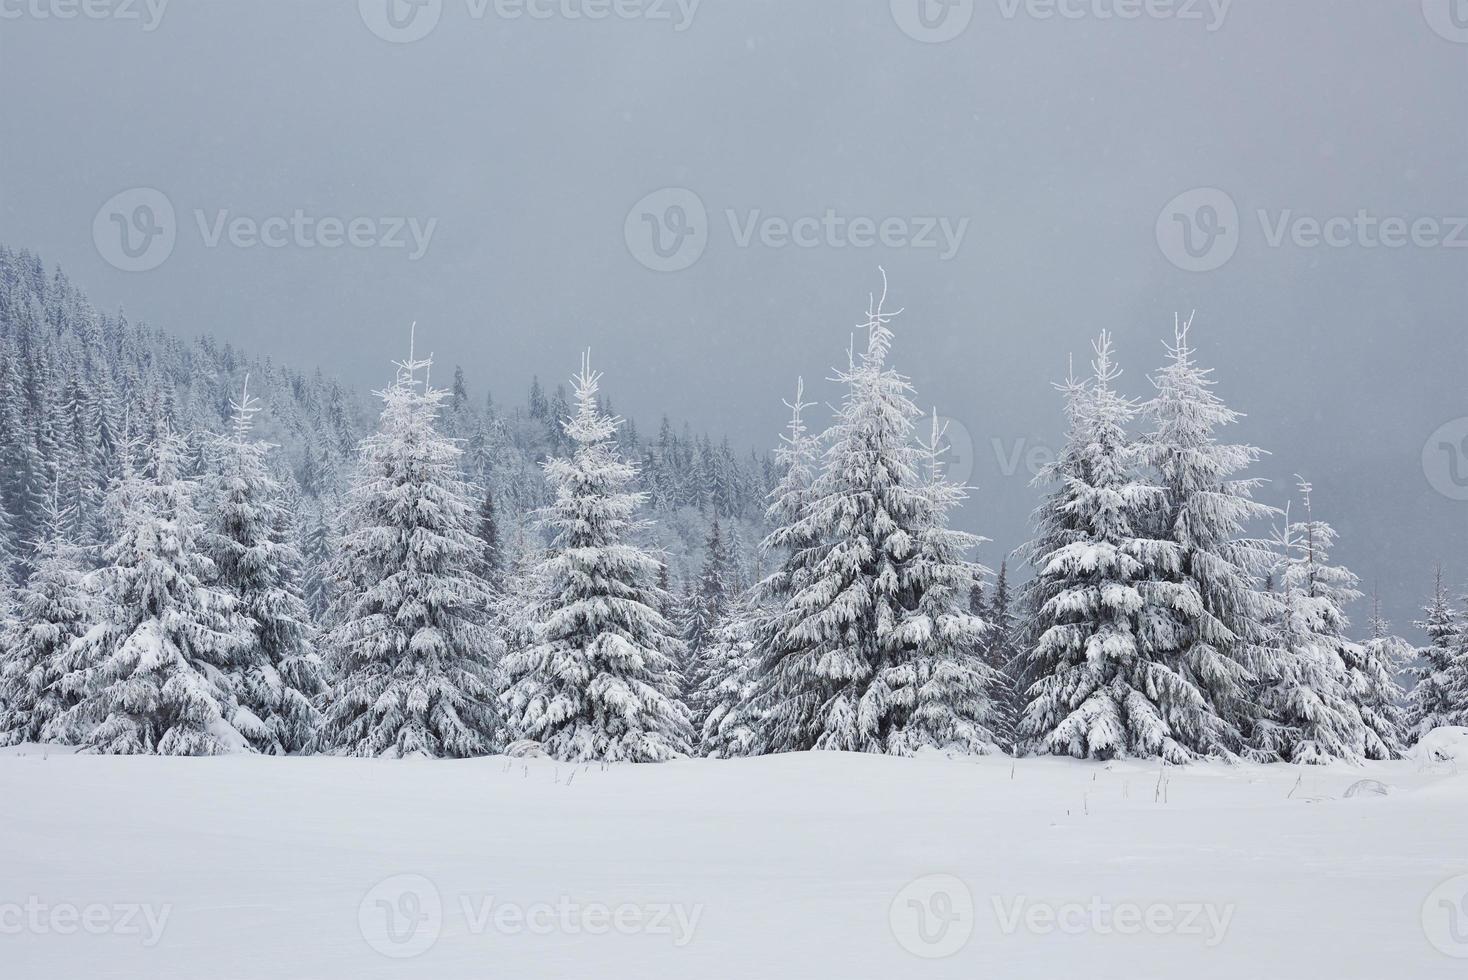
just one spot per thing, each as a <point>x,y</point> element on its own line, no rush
<point>804,866</point>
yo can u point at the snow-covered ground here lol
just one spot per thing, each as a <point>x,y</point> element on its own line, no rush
<point>804,866</point>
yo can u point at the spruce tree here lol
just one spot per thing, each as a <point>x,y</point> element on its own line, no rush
<point>1101,690</point>
<point>153,674</point>
<point>1374,667</point>
<point>1307,711</point>
<point>1440,697</point>
<point>409,650</point>
<point>726,688</point>
<point>488,531</point>
<point>1002,654</point>
<point>872,649</point>
<point>706,606</point>
<point>1209,612</point>
<point>52,611</point>
<point>600,681</point>
<point>735,712</point>
<point>251,542</point>
<point>944,692</point>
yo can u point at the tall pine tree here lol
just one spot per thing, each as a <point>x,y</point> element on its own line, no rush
<point>1210,613</point>
<point>52,611</point>
<point>872,650</point>
<point>601,680</point>
<point>411,654</point>
<point>1307,710</point>
<point>251,542</point>
<point>153,676</point>
<point>1102,690</point>
<point>1440,697</point>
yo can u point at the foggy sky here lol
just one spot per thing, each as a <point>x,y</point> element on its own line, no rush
<point>1054,143</point>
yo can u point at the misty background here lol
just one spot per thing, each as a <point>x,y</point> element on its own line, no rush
<point>1060,141</point>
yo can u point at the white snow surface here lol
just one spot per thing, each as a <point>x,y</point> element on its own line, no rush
<point>782,866</point>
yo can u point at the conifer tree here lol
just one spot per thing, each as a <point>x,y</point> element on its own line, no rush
<point>153,674</point>
<point>1209,613</point>
<point>872,649</point>
<point>1374,667</point>
<point>1307,711</point>
<point>1002,655</point>
<point>726,688</point>
<point>706,605</point>
<point>488,532</point>
<point>1440,697</point>
<point>600,681</point>
<point>733,709</point>
<point>52,611</point>
<point>408,648</point>
<point>946,695</point>
<point>1100,690</point>
<point>251,542</point>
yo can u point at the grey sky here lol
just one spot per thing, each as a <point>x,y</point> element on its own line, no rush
<point>1058,139</point>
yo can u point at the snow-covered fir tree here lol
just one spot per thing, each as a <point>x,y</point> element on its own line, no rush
<point>727,688</point>
<point>873,650</point>
<point>52,610</point>
<point>732,708</point>
<point>1307,711</point>
<point>278,675</point>
<point>488,531</point>
<point>1440,696</point>
<point>947,694</point>
<point>705,608</point>
<point>409,650</point>
<point>153,674</point>
<point>1374,668</point>
<point>601,679</point>
<point>9,554</point>
<point>1001,652</point>
<point>1101,690</point>
<point>1209,612</point>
